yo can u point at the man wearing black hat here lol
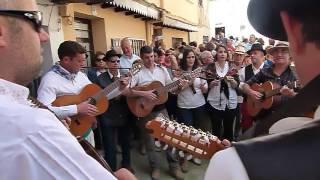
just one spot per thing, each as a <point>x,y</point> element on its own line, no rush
<point>279,73</point>
<point>293,154</point>
<point>114,120</point>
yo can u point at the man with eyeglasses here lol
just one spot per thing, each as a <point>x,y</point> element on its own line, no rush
<point>114,122</point>
<point>34,144</point>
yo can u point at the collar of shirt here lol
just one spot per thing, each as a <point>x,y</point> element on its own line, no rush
<point>15,92</point>
<point>63,72</point>
<point>255,70</point>
<point>222,72</point>
<point>111,76</point>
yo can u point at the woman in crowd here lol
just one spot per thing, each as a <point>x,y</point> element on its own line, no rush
<point>98,67</point>
<point>191,102</point>
<point>222,96</point>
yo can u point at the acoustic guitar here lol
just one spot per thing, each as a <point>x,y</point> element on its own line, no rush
<point>95,96</point>
<point>187,139</point>
<point>270,92</point>
<point>141,106</point>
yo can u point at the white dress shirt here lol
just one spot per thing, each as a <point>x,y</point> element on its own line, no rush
<point>35,145</point>
<point>217,99</point>
<point>187,99</point>
<point>126,62</point>
<point>53,85</point>
<point>146,76</point>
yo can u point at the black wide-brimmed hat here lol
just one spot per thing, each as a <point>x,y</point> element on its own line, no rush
<point>257,46</point>
<point>111,53</point>
<point>264,15</point>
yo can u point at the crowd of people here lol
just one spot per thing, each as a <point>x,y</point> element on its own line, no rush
<point>38,146</point>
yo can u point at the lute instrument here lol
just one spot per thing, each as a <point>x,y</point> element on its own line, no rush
<point>187,139</point>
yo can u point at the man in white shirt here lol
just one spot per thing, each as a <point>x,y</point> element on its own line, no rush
<point>290,155</point>
<point>149,73</point>
<point>66,79</point>
<point>128,57</point>
<point>34,144</point>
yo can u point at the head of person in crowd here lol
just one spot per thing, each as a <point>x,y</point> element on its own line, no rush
<point>222,53</point>
<point>193,44</point>
<point>245,40</point>
<point>126,47</point>
<point>281,53</point>
<point>72,56</point>
<point>20,42</point>
<point>252,39</point>
<point>159,56</point>
<point>99,61</point>
<point>268,55</point>
<point>247,59</point>
<point>206,58</point>
<point>167,55</point>
<point>202,47</point>
<point>272,42</point>
<point>239,55</point>
<point>189,60</point>
<point>147,56</point>
<point>112,59</point>
<point>261,41</point>
<point>257,54</point>
<point>210,46</point>
<point>183,43</point>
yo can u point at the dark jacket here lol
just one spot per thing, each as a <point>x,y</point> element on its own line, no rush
<point>117,113</point>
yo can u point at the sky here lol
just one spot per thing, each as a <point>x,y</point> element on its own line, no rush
<point>232,14</point>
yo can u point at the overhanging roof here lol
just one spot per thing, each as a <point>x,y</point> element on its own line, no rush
<point>176,23</point>
<point>145,8</point>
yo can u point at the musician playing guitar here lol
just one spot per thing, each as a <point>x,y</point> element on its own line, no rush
<point>66,79</point>
<point>279,73</point>
<point>149,73</point>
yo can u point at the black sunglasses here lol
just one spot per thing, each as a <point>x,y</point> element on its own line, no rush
<point>116,61</point>
<point>35,17</point>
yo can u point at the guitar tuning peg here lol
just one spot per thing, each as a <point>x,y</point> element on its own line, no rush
<point>157,144</point>
<point>165,147</point>
<point>189,157</point>
<point>181,154</point>
<point>173,150</point>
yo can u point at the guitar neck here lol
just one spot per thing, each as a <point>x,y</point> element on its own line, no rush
<point>171,87</point>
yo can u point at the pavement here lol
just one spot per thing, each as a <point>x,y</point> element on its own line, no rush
<point>142,169</point>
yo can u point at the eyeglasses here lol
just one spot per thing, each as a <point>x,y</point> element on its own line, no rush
<point>117,61</point>
<point>35,17</point>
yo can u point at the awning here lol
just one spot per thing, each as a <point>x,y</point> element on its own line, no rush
<point>175,23</point>
<point>144,9</point>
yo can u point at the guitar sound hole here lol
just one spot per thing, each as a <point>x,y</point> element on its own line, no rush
<point>156,93</point>
<point>92,101</point>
